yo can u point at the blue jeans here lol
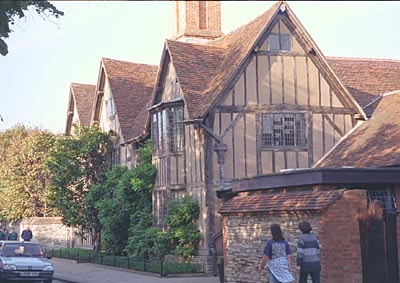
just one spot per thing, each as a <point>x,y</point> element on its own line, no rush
<point>315,276</point>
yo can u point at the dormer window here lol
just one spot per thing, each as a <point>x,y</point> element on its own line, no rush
<point>279,42</point>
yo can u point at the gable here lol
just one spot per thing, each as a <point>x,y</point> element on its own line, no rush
<point>80,105</point>
<point>234,53</point>
<point>171,90</point>
<point>128,89</point>
<point>298,76</point>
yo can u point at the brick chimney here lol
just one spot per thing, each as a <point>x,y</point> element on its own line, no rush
<point>196,21</point>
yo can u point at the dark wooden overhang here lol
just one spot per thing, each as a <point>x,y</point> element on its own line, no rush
<point>349,177</point>
<point>166,104</point>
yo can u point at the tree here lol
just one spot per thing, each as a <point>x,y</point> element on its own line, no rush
<point>9,10</point>
<point>124,200</point>
<point>75,164</point>
<point>23,178</point>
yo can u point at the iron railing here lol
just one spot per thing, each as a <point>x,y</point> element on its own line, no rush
<point>158,267</point>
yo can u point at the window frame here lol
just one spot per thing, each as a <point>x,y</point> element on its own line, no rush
<point>279,39</point>
<point>110,108</point>
<point>283,130</point>
<point>170,135</point>
<point>175,129</point>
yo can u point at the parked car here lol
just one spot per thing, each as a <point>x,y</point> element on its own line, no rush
<point>24,262</point>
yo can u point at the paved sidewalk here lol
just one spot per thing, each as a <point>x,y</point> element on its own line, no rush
<point>72,272</point>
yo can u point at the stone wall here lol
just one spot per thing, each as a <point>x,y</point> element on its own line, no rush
<point>245,236</point>
<point>49,232</point>
<point>245,239</point>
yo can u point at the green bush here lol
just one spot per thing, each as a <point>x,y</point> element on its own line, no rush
<point>183,233</point>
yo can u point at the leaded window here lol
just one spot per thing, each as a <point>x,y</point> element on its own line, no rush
<point>283,130</point>
<point>168,131</point>
<point>175,129</point>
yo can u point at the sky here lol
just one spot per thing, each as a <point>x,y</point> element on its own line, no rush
<point>46,54</point>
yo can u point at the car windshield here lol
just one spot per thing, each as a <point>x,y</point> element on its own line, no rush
<point>22,250</point>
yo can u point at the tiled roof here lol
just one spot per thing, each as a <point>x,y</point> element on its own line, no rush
<point>131,86</point>
<point>195,64</point>
<point>204,70</point>
<point>83,95</point>
<point>280,202</point>
<point>375,143</point>
<point>367,78</point>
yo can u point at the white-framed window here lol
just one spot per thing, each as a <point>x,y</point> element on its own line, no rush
<point>279,42</point>
<point>283,130</point>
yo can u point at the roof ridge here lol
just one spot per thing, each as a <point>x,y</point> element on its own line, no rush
<point>195,44</point>
<point>74,83</point>
<point>124,61</point>
<point>361,58</point>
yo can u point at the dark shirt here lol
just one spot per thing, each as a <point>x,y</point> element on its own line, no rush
<point>12,236</point>
<point>274,249</point>
<point>26,235</point>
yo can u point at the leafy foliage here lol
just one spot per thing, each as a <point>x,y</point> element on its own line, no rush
<point>75,164</point>
<point>24,181</point>
<point>183,233</point>
<point>124,202</point>
<point>10,10</point>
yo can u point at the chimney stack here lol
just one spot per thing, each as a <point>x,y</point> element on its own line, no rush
<point>196,21</point>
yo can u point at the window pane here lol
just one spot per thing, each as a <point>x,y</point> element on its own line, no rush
<point>386,197</point>
<point>176,129</point>
<point>278,130</point>
<point>289,129</point>
<point>285,42</point>
<point>110,108</point>
<point>273,42</point>
<point>266,130</point>
<point>283,130</point>
<point>154,134</point>
<point>161,137</point>
<point>301,139</point>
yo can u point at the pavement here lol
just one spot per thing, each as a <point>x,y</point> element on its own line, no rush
<point>71,272</point>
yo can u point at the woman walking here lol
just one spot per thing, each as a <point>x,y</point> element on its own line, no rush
<point>277,257</point>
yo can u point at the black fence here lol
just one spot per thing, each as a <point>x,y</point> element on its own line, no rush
<point>158,267</point>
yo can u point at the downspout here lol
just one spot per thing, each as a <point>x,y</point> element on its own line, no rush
<point>221,149</point>
<point>213,251</point>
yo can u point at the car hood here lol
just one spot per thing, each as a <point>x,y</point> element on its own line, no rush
<point>32,262</point>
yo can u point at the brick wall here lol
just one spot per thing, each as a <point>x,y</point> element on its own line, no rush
<point>340,239</point>
<point>245,236</point>
<point>397,196</point>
